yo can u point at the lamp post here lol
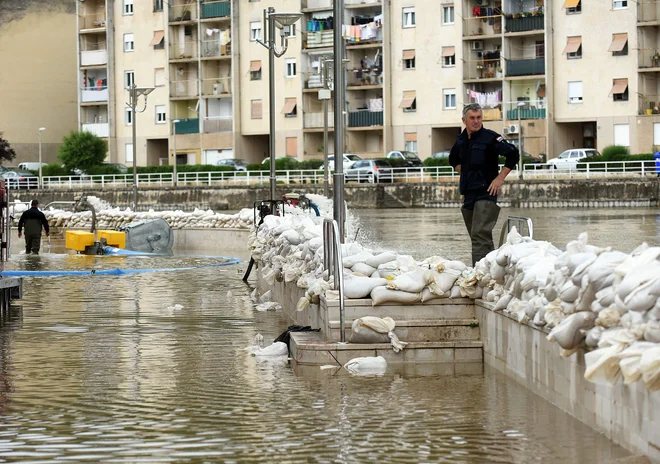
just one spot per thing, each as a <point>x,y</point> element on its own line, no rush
<point>339,211</point>
<point>174,123</point>
<point>41,183</point>
<point>325,96</point>
<point>133,94</point>
<point>282,21</point>
<point>520,148</point>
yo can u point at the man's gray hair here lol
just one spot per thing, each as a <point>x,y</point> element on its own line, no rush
<point>471,107</point>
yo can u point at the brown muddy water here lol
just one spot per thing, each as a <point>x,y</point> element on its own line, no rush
<point>108,369</point>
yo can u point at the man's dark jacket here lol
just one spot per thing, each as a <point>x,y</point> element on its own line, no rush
<point>33,219</point>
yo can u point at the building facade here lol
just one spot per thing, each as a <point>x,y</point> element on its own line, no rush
<point>551,76</point>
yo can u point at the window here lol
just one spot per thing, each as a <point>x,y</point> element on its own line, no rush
<point>409,16</point>
<point>620,4</point>
<point>448,15</point>
<point>622,135</point>
<point>575,92</point>
<point>540,49</point>
<point>619,90</point>
<point>128,7</point>
<point>291,146</point>
<point>161,116</point>
<point>292,29</point>
<point>159,77</point>
<point>409,102</point>
<point>411,141</point>
<point>290,108</point>
<point>619,44</point>
<point>573,6</point>
<point>129,44</point>
<point>290,67</point>
<point>448,57</point>
<point>573,48</point>
<point>129,153</point>
<point>158,5</point>
<point>256,109</point>
<point>255,70</point>
<point>128,116</point>
<point>656,133</point>
<point>129,79</point>
<point>255,31</point>
<point>158,41</point>
<point>409,59</point>
<point>449,99</point>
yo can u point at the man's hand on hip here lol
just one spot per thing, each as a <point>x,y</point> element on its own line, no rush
<point>495,186</point>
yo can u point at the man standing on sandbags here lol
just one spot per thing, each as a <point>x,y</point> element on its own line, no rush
<point>475,155</point>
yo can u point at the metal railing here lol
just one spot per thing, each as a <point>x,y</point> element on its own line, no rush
<point>532,109</point>
<point>187,88</point>
<point>218,124</point>
<point>214,49</point>
<point>183,12</point>
<point>91,21</point>
<point>215,9</point>
<point>183,50</point>
<point>482,69</point>
<point>523,225</point>
<point>216,86</point>
<point>593,169</point>
<point>315,120</point>
<point>528,67</point>
<point>649,104</point>
<point>478,26</point>
<point>333,264</point>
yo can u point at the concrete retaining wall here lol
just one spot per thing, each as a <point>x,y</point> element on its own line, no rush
<point>627,414</point>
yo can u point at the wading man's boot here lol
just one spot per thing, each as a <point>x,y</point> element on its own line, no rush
<point>482,219</point>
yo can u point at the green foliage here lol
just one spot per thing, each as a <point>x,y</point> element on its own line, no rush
<point>82,150</point>
<point>7,153</point>
<point>103,169</point>
<point>397,163</point>
<point>615,153</point>
<point>54,169</point>
<point>181,168</point>
<point>435,162</point>
<point>286,164</point>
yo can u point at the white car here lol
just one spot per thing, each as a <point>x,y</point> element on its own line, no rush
<point>570,158</point>
<point>349,161</point>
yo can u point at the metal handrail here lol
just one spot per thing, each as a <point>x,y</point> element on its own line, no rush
<point>333,263</point>
<point>520,222</point>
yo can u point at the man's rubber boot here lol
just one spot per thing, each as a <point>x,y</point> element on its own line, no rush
<point>467,217</point>
<point>484,217</point>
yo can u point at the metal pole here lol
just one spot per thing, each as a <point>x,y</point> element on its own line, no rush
<point>520,148</point>
<point>174,178</point>
<point>133,113</point>
<point>338,200</point>
<point>326,168</point>
<point>270,40</point>
<point>41,184</point>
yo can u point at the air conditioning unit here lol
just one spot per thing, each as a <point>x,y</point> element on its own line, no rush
<point>483,2</point>
<point>505,131</point>
<point>477,45</point>
<point>513,129</point>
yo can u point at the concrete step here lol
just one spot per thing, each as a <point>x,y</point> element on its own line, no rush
<point>312,348</point>
<point>459,308</point>
<point>434,330</point>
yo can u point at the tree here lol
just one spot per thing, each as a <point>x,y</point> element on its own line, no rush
<point>82,150</point>
<point>7,153</point>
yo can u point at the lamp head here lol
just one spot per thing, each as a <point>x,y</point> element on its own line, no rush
<point>41,129</point>
<point>285,20</point>
<point>144,91</point>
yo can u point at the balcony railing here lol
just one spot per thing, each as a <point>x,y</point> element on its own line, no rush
<point>315,120</point>
<point>482,25</point>
<point>482,69</point>
<point>365,118</point>
<point>312,80</point>
<point>214,124</point>
<point>216,9</point>
<point>649,104</point>
<point>648,58</point>
<point>213,49</point>
<point>358,77</point>
<point>218,86</point>
<point>187,126</point>
<point>529,67</point>
<point>523,24</point>
<point>94,94</point>
<point>93,58</point>
<point>318,39</point>
<point>183,12</point>
<point>534,109</point>
<point>101,129</point>
<point>184,88</point>
<point>183,50</point>
<point>91,21</point>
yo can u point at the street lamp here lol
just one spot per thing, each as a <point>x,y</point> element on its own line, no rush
<point>41,129</point>
<point>520,148</point>
<point>133,94</point>
<point>282,21</point>
<point>324,94</point>
<point>174,123</point>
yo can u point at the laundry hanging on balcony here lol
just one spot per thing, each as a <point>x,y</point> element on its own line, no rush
<point>320,24</point>
<point>486,99</point>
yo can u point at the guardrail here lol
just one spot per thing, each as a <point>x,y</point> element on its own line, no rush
<point>315,176</point>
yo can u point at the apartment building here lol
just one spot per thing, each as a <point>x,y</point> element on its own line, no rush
<point>553,76</point>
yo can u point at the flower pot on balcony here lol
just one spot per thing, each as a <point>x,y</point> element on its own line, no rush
<point>649,112</point>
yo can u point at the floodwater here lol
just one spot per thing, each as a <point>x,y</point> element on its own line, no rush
<point>150,367</point>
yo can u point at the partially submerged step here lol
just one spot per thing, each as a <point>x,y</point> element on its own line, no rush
<point>439,330</point>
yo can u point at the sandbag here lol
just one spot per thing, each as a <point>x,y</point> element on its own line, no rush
<point>428,295</point>
<point>652,332</point>
<point>503,302</point>
<point>381,258</point>
<point>650,367</point>
<point>412,281</point>
<point>630,361</point>
<point>569,333</point>
<point>363,268</point>
<point>593,336</point>
<point>440,283</point>
<point>356,287</point>
<point>382,294</point>
<point>602,365</point>
<point>370,329</point>
<point>372,365</point>
<point>352,260</point>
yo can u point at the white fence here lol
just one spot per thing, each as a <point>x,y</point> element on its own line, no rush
<point>617,169</point>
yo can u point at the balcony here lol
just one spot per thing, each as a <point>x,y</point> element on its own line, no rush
<point>94,58</point>
<point>216,9</point>
<point>365,118</point>
<point>312,80</point>
<point>482,69</point>
<point>649,104</point>
<point>315,120</point>
<point>182,13</point>
<point>534,109</point>
<point>648,59</point>
<point>319,39</point>
<point>99,129</point>
<point>91,22</point>
<point>531,67</point>
<point>214,124</point>
<point>214,49</point>
<point>524,23</point>
<point>94,94</point>
<point>364,77</point>
<point>220,86</point>
<point>482,26</point>
<point>187,126</point>
<point>184,89</point>
<point>182,51</point>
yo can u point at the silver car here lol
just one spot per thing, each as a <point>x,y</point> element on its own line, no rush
<point>372,171</point>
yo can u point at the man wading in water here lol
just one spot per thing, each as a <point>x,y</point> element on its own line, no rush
<point>33,220</point>
<point>475,155</point>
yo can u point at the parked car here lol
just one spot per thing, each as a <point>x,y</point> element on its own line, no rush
<point>349,160</point>
<point>237,164</point>
<point>30,166</point>
<point>440,155</point>
<point>372,170</point>
<point>119,166</point>
<point>410,158</point>
<point>570,158</point>
<point>19,179</point>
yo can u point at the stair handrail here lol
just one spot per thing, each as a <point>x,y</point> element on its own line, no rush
<point>520,222</point>
<point>333,264</point>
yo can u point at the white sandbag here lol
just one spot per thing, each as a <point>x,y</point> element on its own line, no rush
<point>428,295</point>
<point>370,329</point>
<point>569,333</point>
<point>539,318</point>
<point>593,336</point>
<point>497,272</point>
<point>608,317</point>
<point>303,303</point>
<point>412,281</point>
<point>382,294</point>
<point>352,260</point>
<point>630,361</point>
<point>276,349</point>
<point>440,283</point>
<point>650,367</point>
<point>269,306</point>
<point>503,302</point>
<point>363,268</point>
<point>356,287</point>
<point>455,292</point>
<point>553,313</point>
<point>601,272</point>
<point>381,258</point>
<point>605,296</point>
<point>569,292</point>
<point>602,365</point>
<point>652,332</point>
<point>291,236</point>
<point>371,365</point>
<point>376,275</point>
<point>640,298</point>
<point>637,277</point>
